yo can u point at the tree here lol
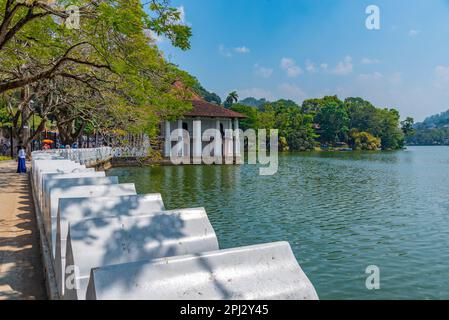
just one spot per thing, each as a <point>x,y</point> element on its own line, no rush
<point>251,113</point>
<point>387,129</point>
<point>111,56</point>
<point>334,120</point>
<point>232,98</point>
<point>407,127</point>
<point>362,114</point>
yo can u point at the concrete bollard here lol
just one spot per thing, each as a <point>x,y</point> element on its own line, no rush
<point>73,209</point>
<point>58,187</point>
<point>261,272</point>
<point>105,241</point>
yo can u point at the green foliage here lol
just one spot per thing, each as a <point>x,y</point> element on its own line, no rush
<point>251,122</point>
<point>232,98</point>
<point>295,129</point>
<point>381,123</point>
<point>363,141</point>
<point>355,122</point>
<point>108,73</point>
<point>430,137</point>
<point>434,130</point>
<point>5,116</point>
<point>333,119</point>
<point>407,127</point>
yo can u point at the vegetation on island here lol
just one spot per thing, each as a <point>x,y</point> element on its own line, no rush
<point>326,122</point>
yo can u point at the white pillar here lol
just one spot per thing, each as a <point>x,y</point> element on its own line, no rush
<point>218,142</point>
<point>197,142</point>
<point>228,144</point>
<point>237,152</point>
<point>167,144</point>
<point>180,138</point>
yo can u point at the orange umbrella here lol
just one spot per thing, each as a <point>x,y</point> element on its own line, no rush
<point>48,141</point>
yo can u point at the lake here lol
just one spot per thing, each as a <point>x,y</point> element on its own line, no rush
<point>340,212</point>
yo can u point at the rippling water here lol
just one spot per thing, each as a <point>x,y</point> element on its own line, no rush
<point>341,212</point>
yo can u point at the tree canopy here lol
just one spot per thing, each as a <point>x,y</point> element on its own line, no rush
<point>107,73</point>
<point>328,121</point>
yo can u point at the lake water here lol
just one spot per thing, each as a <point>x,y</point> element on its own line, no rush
<point>341,212</point>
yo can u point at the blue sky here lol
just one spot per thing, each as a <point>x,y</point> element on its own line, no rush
<point>299,49</point>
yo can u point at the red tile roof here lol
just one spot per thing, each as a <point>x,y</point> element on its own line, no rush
<point>202,108</point>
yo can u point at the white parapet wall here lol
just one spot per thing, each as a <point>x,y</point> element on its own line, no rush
<point>73,209</point>
<point>101,240</point>
<point>261,272</point>
<point>105,241</point>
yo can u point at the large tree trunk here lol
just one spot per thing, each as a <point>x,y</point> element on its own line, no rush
<point>67,132</point>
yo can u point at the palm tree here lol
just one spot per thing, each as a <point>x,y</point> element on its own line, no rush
<point>232,98</point>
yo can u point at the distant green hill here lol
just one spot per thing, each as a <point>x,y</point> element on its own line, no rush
<point>253,102</point>
<point>436,121</point>
<point>434,130</point>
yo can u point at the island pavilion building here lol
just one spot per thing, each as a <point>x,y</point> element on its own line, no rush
<point>201,117</point>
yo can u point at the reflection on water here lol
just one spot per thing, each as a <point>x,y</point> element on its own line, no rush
<point>341,212</point>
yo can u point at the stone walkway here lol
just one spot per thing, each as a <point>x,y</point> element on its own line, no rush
<point>21,275</point>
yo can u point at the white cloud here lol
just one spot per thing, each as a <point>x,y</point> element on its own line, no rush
<point>290,67</point>
<point>257,93</point>
<point>343,67</point>
<point>224,51</point>
<point>291,91</point>
<point>310,67</point>
<point>324,66</point>
<point>370,61</point>
<point>370,76</point>
<point>413,32</point>
<point>262,71</point>
<point>242,50</point>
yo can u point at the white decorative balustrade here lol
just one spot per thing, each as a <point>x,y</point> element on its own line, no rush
<point>100,240</point>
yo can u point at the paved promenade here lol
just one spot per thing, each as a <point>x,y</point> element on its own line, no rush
<point>20,264</point>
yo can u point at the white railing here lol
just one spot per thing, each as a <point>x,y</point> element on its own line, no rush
<point>87,157</point>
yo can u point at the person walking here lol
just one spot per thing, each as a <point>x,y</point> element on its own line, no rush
<point>21,167</point>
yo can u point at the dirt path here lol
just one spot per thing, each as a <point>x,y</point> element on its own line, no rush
<point>21,275</point>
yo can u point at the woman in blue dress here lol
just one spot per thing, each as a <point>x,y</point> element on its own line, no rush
<point>22,168</point>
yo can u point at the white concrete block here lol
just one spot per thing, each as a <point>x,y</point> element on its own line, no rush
<point>73,209</point>
<point>261,272</point>
<point>105,241</point>
<point>88,179</point>
<point>123,189</point>
<point>71,173</point>
<point>75,173</point>
<point>49,165</point>
<point>58,188</point>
